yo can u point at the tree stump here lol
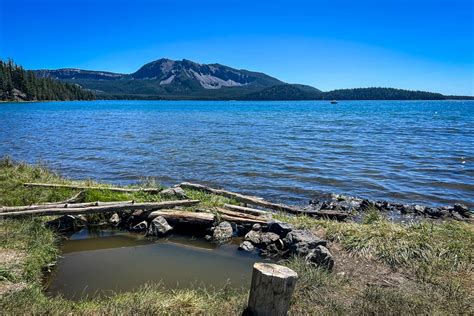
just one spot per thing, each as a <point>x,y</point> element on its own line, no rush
<point>271,289</point>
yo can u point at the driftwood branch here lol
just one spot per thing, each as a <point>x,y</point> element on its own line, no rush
<point>240,215</point>
<point>83,187</point>
<point>102,208</point>
<point>248,199</point>
<point>184,217</point>
<point>247,210</point>
<point>60,205</point>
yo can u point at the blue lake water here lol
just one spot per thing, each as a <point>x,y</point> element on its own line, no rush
<point>420,151</point>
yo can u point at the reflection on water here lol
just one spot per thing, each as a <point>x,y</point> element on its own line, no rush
<point>406,151</point>
<point>107,261</point>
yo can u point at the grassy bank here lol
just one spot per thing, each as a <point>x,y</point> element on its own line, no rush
<point>381,267</point>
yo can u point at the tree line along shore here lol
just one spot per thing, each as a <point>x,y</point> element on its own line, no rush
<point>380,266</point>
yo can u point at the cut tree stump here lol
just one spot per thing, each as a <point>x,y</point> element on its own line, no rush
<point>83,187</point>
<point>271,289</point>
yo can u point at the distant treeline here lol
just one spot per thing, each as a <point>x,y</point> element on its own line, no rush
<point>17,84</point>
<point>381,94</point>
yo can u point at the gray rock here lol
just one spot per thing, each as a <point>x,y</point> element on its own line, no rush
<point>247,246</point>
<point>462,209</point>
<point>114,219</point>
<point>257,227</point>
<point>140,226</point>
<point>175,191</point>
<point>419,209</point>
<point>300,242</point>
<point>320,256</point>
<point>208,237</point>
<point>222,232</point>
<point>261,239</point>
<point>65,223</point>
<point>279,228</point>
<point>159,226</point>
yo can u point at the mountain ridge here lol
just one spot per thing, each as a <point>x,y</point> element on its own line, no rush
<point>185,79</point>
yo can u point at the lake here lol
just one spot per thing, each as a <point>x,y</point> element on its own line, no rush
<point>292,151</point>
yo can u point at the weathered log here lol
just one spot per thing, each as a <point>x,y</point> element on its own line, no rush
<point>239,214</point>
<point>242,220</point>
<point>102,208</point>
<point>242,198</point>
<point>261,202</point>
<point>248,210</point>
<point>271,289</point>
<point>60,205</point>
<point>83,187</point>
<point>184,217</point>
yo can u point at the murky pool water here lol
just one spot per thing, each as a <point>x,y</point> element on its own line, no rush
<point>108,261</point>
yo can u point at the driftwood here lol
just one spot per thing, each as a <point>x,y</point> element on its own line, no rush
<point>241,215</point>
<point>262,203</point>
<point>60,205</point>
<point>83,187</point>
<point>102,208</point>
<point>271,289</point>
<point>242,220</point>
<point>248,199</point>
<point>247,210</point>
<point>184,217</point>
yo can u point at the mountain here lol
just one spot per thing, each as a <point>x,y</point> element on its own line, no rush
<point>185,79</point>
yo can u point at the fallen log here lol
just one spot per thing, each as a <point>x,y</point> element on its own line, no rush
<point>242,220</point>
<point>102,208</point>
<point>184,217</point>
<point>248,210</point>
<point>239,214</point>
<point>60,205</point>
<point>83,187</point>
<point>248,199</point>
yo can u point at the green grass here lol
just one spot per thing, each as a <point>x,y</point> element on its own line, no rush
<point>433,260</point>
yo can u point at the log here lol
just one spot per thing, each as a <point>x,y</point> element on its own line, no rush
<point>271,289</point>
<point>242,220</point>
<point>248,210</point>
<point>184,217</point>
<point>242,198</point>
<point>102,208</point>
<point>265,204</point>
<point>239,214</point>
<point>60,205</point>
<point>83,187</point>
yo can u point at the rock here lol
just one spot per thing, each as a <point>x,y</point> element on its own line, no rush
<point>140,226</point>
<point>462,209</point>
<point>435,212</point>
<point>114,219</point>
<point>279,228</point>
<point>158,227</point>
<point>320,256</point>
<point>253,237</point>
<point>257,227</point>
<point>65,223</point>
<point>419,209</point>
<point>300,242</point>
<point>175,191</point>
<point>222,232</point>
<point>137,213</point>
<point>208,237</point>
<point>261,239</point>
<point>246,246</point>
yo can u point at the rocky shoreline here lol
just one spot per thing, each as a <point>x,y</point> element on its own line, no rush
<point>355,206</point>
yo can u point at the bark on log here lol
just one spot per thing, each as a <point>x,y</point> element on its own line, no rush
<point>60,205</point>
<point>184,217</point>
<point>271,289</point>
<point>79,187</point>
<point>247,210</point>
<point>241,198</point>
<point>102,209</point>
<point>262,203</point>
<point>241,215</point>
<point>242,220</point>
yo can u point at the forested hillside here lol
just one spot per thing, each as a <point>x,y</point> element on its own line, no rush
<point>17,84</point>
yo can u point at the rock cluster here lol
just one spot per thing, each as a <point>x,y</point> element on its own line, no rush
<point>281,239</point>
<point>350,204</point>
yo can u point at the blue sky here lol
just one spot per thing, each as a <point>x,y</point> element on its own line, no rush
<point>417,44</point>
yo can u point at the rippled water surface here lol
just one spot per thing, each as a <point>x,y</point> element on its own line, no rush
<point>421,151</point>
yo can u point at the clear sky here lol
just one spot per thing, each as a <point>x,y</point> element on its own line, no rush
<point>329,44</point>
